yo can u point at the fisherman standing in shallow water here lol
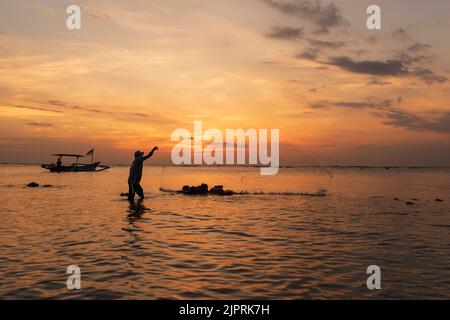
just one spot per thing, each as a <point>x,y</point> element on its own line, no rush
<point>136,174</point>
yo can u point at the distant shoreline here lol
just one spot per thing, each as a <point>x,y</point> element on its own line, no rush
<point>387,167</point>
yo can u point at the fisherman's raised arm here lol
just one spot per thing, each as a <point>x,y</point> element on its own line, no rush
<point>150,154</point>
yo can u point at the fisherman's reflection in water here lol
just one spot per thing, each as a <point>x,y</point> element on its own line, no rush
<point>136,210</point>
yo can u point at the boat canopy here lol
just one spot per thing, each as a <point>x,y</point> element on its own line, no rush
<point>68,155</point>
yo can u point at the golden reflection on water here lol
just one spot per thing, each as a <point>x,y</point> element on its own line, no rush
<point>248,246</point>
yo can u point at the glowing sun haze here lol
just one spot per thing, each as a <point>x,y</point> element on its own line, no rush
<point>137,70</point>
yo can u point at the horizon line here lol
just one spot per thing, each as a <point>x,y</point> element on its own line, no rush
<point>261,166</point>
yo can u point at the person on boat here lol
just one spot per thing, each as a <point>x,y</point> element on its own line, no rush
<point>58,162</point>
<point>134,179</point>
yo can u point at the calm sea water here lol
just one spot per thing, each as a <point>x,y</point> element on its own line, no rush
<point>270,244</point>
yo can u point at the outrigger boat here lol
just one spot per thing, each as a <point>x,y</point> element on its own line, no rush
<point>75,167</point>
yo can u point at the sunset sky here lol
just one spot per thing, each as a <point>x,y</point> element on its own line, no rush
<point>139,69</point>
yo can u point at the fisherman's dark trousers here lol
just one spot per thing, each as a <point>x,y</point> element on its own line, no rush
<point>135,188</point>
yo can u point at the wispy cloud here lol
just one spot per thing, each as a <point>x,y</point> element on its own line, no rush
<point>394,115</point>
<point>393,68</point>
<point>68,106</point>
<point>401,35</point>
<point>324,44</point>
<point>379,104</point>
<point>372,67</point>
<point>322,16</point>
<point>417,47</point>
<point>428,76</point>
<point>17,106</point>
<point>378,82</point>
<point>285,33</point>
<point>96,14</point>
<point>308,54</point>
<point>403,119</point>
<point>40,124</point>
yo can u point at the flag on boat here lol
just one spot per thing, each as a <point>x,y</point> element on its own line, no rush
<point>90,153</point>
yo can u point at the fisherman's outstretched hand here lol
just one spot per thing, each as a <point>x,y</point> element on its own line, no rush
<point>150,153</point>
<point>153,150</point>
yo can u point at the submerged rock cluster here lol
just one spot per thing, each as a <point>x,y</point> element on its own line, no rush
<point>414,200</point>
<point>203,190</point>
<point>33,185</point>
<point>36,185</point>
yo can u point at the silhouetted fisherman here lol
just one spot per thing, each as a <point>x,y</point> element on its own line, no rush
<point>136,174</point>
<point>58,162</point>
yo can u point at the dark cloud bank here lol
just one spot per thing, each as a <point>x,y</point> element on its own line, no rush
<point>393,115</point>
<point>325,16</point>
<point>322,16</point>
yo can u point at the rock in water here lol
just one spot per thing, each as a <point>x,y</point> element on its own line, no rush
<point>203,189</point>
<point>33,185</point>
<point>186,190</point>
<point>218,191</point>
<point>199,190</point>
<point>228,193</point>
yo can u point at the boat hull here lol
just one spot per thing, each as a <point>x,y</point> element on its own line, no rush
<point>94,167</point>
